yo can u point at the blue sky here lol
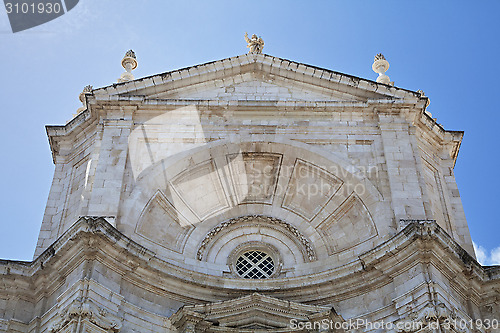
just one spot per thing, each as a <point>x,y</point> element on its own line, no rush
<point>448,49</point>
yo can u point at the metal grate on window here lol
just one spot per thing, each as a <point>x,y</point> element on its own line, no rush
<point>255,265</point>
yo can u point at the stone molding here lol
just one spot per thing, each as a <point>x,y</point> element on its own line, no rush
<point>98,226</point>
<point>79,311</point>
<point>424,231</point>
<point>211,235</point>
<point>433,316</point>
<point>268,314</point>
<point>136,91</point>
<point>94,237</point>
<point>305,71</point>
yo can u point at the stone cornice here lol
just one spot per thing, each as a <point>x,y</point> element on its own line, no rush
<point>138,92</point>
<point>371,269</point>
<point>333,105</point>
<point>265,310</point>
<point>261,60</point>
<point>448,140</point>
<point>82,122</point>
<point>62,137</point>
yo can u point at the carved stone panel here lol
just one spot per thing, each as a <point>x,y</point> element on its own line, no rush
<point>254,176</point>
<point>200,188</point>
<point>349,225</point>
<point>161,223</point>
<point>96,319</point>
<point>309,189</point>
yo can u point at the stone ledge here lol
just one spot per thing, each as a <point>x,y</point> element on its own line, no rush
<point>411,237</point>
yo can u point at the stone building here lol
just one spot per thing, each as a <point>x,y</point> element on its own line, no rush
<point>251,194</point>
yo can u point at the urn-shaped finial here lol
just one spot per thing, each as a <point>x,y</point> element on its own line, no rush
<point>87,90</point>
<point>380,66</point>
<point>129,62</point>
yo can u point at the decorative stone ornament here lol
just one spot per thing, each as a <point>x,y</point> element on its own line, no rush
<point>86,311</point>
<point>87,90</point>
<point>255,44</point>
<point>255,313</point>
<point>129,62</point>
<point>311,255</point>
<point>432,316</point>
<point>422,94</point>
<point>380,66</point>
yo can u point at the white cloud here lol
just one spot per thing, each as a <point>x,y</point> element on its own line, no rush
<point>495,256</point>
<point>485,258</point>
<point>480,253</point>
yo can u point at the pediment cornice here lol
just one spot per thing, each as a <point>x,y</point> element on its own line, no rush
<point>224,84</point>
<point>263,67</point>
<point>251,312</point>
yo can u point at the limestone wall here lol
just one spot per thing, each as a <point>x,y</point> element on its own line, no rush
<point>96,279</point>
<point>202,145</point>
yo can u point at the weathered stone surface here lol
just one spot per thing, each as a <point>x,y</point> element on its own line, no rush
<point>343,188</point>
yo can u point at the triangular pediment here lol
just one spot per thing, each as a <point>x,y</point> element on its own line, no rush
<point>251,313</point>
<point>255,77</point>
<point>256,86</point>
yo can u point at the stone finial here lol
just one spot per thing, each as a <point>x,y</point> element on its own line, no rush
<point>255,44</point>
<point>380,66</point>
<point>129,54</point>
<point>422,94</point>
<point>379,56</point>
<point>87,90</point>
<point>129,62</point>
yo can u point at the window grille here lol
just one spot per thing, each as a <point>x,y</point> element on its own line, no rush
<point>255,265</point>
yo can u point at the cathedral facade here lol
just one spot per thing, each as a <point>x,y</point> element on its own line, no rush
<point>252,194</point>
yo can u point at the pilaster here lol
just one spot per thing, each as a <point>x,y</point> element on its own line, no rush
<point>110,166</point>
<point>54,210</point>
<point>406,194</point>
